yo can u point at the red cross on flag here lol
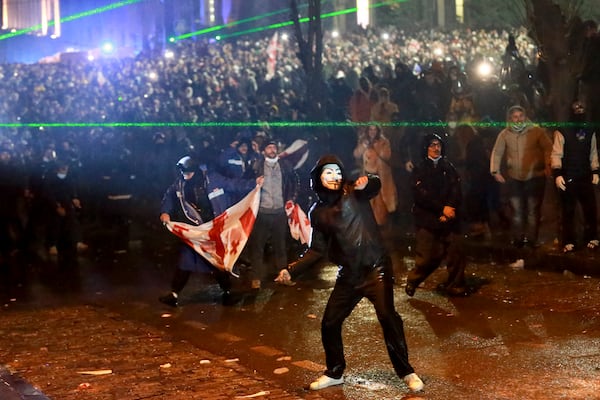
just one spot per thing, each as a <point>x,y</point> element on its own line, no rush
<point>298,222</point>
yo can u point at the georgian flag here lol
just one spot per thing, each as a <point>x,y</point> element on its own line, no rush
<point>221,240</point>
<point>272,56</point>
<point>298,222</point>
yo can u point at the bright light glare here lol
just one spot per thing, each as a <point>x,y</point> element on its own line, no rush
<point>362,13</point>
<point>484,69</point>
<point>335,34</point>
<point>153,76</point>
<point>108,47</point>
<point>438,51</point>
<point>169,54</point>
<point>284,36</point>
<point>385,36</point>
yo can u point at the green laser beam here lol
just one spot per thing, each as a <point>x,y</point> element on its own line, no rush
<point>229,25</point>
<point>71,18</point>
<point>307,19</point>
<point>281,124</point>
<point>276,25</point>
<point>286,23</point>
<point>234,23</point>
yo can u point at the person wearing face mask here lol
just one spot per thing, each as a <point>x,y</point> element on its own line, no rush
<point>344,231</point>
<point>271,225</point>
<point>198,195</point>
<point>575,169</point>
<point>526,149</point>
<point>60,194</point>
<point>437,201</point>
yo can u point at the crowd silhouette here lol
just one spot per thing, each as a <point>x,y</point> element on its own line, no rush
<point>424,74</point>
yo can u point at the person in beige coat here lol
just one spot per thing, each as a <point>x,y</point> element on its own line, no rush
<point>525,149</point>
<point>373,152</point>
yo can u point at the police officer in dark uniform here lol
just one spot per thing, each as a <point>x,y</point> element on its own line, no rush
<point>197,196</point>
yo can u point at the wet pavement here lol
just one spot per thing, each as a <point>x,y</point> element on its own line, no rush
<point>97,331</point>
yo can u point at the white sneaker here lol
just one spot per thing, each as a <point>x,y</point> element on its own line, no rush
<point>325,381</point>
<point>414,383</point>
<point>519,264</point>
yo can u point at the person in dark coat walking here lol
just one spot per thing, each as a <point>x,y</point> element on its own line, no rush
<point>437,199</point>
<point>344,231</point>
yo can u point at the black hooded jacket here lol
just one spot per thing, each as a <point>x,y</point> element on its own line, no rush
<point>435,185</point>
<point>343,227</point>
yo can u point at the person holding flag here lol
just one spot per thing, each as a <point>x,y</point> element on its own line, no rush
<point>280,188</point>
<point>198,196</point>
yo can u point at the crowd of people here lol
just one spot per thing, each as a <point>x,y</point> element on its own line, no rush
<point>102,136</point>
<point>208,81</point>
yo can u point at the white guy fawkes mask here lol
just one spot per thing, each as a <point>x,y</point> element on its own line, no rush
<point>331,176</point>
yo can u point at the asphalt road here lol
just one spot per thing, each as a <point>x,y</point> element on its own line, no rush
<point>521,334</point>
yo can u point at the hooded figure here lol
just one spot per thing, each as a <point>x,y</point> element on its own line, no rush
<point>437,200</point>
<point>344,230</point>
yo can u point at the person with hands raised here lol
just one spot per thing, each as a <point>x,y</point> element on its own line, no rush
<point>344,231</point>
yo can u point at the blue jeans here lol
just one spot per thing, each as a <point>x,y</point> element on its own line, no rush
<point>526,199</point>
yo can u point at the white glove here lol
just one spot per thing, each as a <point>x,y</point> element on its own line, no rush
<point>595,179</point>
<point>560,182</point>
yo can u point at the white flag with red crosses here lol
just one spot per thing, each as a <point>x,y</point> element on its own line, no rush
<point>298,222</point>
<point>221,240</point>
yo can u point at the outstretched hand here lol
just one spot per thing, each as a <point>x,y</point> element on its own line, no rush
<point>284,278</point>
<point>164,218</point>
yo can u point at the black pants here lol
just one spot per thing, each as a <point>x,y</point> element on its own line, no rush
<point>431,250</point>
<point>378,288</point>
<point>181,278</point>
<point>273,229</point>
<point>581,192</point>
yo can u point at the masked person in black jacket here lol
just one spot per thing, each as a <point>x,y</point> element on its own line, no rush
<point>345,231</point>
<point>437,199</point>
